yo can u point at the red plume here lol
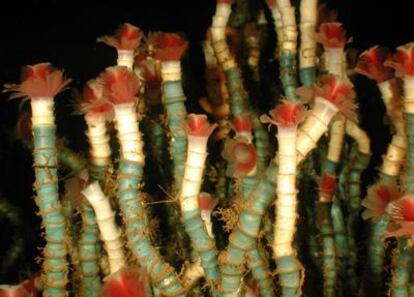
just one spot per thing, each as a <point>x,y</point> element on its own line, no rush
<point>285,114</point>
<point>120,85</point>
<point>127,37</point>
<point>377,200</point>
<point>40,80</point>
<point>198,125</point>
<point>241,156</point>
<point>331,35</point>
<point>167,46</point>
<point>371,64</point>
<point>402,214</point>
<point>126,282</point>
<point>339,92</point>
<point>403,60</point>
<point>92,98</point>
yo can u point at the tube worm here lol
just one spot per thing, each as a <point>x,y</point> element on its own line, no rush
<point>120,87</point>
<point>307,50</point>
<point>198,130</point>
<point>126,282</point>
<point>402,61</point>
<point>148,69</point>
<point>110,233</point>
<point>332,37</point>
<point>358,162</point>
<point>126,41</point>
<point>256,259</point>
<point>287,116</point>
<point>244,236</point>
<point>401,226</point>
<point>243,127</point>
<point>371,65</point>
<point>261,142</point>
<point>341,238</point>
<point>40,84</point>
<point>241,156</point>
<point>256,262</point>
<point>288,45</point>
<point>334,95</point>
<point>169,48</point>
<point>207,205</point>
<point>97,113</point>
<point>218,34</point>
<point>238,104</point>
<point>378,197</point>
<point>327,189</point>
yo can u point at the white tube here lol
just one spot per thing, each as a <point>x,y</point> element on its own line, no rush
<point>110,233</point>
<point>42,111</point>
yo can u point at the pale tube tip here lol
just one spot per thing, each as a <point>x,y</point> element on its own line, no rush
<point>93,193</point>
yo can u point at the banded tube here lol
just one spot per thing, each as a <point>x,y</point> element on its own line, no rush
<point>403,63</point>
<point>40,84</point>
<point>371,65</point>
<point>334,96</point>
<point>291,272</point>
<point>198,130</point>
<point>130,173</point>
<point>238,97</point>
<point>307,49</point>
<point>359,162</point>
<point>284,16</point>
<point>97,114</point>
<point>110,233</point>
<point>327,189</point>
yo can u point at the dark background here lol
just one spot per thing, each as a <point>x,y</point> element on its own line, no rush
<point>64,33</point>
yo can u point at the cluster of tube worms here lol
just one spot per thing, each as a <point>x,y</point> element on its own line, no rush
<point>235,201</point>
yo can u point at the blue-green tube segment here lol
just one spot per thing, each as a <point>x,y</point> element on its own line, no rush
<point>88,252</point>
<point>359,163</point>
<point>55,252</point>
<point>376,247</point>
<point>237,94</point>
<point>133,212</point>
<point>177,116</point>
<point>288,75</point>
<point>341,240</point>
<point>409,165</point>
<point>203,245</point>
<point>326,230</point>
<point>307,76</point>
<point>244,237</point>
<point>401,275</point>
<point>257,262</point>
<point>261,143</point>
<point>376,251</point>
